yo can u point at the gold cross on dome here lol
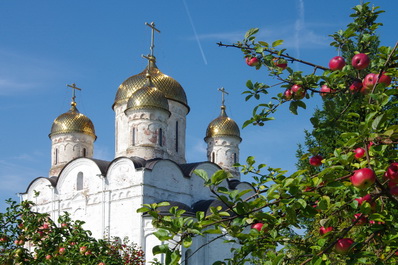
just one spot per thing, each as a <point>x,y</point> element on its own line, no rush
<point>74,87</point>
<point>152,26</point>
<point>223,92</point>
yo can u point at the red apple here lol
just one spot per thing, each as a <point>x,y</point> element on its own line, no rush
<point>298,91</point>
<point>373,222</point>
<point>40,233</point>
<point>61,250</point>
<point>360,61</point>
<point>316,161</point>
<point>368,82</point>
<point>343,245</point>
<point>288,95</point>
<point>83,249</point>
<point>325,91</point>
<point>252,61</point>
<point>392,172</point>
<point>359,152</point>
<point>48,257</point>
<point>19,242</point>
<point>64,225</point>
<point>394,190</point>
<point>366,198</point>
<point>280,62</point>
<point>363,178</point>
<point>361,219</point>
<point>3,239</point>
<point>325,230</point>
<point>384,79</point>
<point>356,86</point>
<point>257,226</point>
<point>336,63</point>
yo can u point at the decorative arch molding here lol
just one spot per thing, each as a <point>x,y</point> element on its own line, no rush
<point>89,167</point>
<point>45,188</point>
<point>122,172</point>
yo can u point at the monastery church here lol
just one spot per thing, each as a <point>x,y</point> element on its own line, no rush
<point>151,109</point>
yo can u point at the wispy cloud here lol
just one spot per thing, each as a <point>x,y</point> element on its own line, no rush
<point>20,72</point>
<point>197,150</point>
<point>195,33</point>
<point>297,34</point>
<point>299,27</point>
<point>15,177</point>
<point>306,37</point>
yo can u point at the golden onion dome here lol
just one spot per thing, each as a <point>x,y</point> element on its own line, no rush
<point>169,86</point>
<point>222,126</point>
<point>148,96</point>
<point>72,122</point>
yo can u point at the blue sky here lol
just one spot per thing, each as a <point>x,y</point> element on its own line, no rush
<point>98,44</point>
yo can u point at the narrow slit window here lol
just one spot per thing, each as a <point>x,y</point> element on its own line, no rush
<point>177,136</point>
<point>133,137</point>
<point>79,181</point>
<point>160,137</point>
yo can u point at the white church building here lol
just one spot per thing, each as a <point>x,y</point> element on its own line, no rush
<point>149,165</point>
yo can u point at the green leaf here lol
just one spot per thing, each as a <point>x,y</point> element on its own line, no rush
<point>293,107</point>
<point>201,173</point>
<point>251,32</point>
<point>376,122</point>
<point>160,249</point>
<point>143,210</point>
<point>163,204</point>
<point>187,242</point>
<point>162,234</point>
<point>301,104</point>
<point>249,84</point>
<point>218,177</point>
<point>277,43</point>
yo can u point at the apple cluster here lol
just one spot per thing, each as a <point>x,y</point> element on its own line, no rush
<point>296,92</point>
<point>359,61</point>
<point>255,61</point>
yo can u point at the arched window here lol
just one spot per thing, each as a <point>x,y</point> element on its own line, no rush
<point>188,254</point>
<point>177,136</point>
<point>235,158</point>
<point>79,181</point>
<point>56,156</point>
<point>84,152</point>
<point>213,157</point>
<point>160,137</point>
<point>133,137</point>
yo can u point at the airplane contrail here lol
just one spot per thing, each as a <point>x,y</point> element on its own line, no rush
<point>194,31</point>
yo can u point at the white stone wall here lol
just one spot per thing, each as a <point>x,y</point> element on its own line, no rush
<point>108,204</point>
<point>144,133</point>
<point>224,151</point>
<point>66,147</point>
<point>121,130</point>
<point>178,114</point>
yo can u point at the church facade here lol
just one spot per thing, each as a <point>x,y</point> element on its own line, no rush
<point>149,165</point>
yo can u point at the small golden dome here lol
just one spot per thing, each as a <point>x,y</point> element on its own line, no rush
<point>222,126</point>
<point>169,86</point>
<point>148,96</point>
<point>72,121</point>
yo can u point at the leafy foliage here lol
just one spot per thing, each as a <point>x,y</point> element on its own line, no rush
<point>32,238</point>
<point>314,216</point>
